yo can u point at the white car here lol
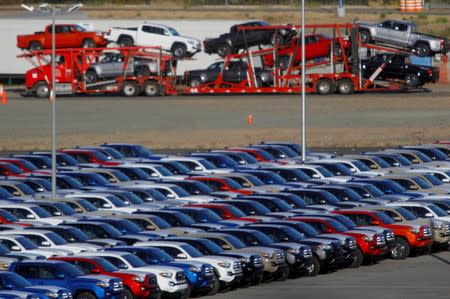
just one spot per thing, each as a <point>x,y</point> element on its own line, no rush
<point>150,34</point>
<point>171,280</point>
<point>423,210</point>
<point>196,164</point>
<point>17,243</point>
<point>228,268</point>
<point>105,202</point>
<point>32,213</point>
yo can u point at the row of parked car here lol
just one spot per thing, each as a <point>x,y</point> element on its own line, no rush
<point>129,223</point>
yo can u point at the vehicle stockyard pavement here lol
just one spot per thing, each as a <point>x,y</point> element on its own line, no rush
<point>188,122</point>
<point>421,277</point>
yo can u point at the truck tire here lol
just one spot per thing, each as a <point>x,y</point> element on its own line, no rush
<point>125,41</point>
<point>314,269</point>
<point>130,89</point>
<point>41,90</point>
<point>151,89</point>
<point>127,294</point>
<point>88,43</point>
<point>283,62</point>
<point>34,46</point>
<point>85,295</point>
<point>223,50</point>
<point>195,82</point>
<point>179,50</point>
<point>412,80</point>
<point>357,259</point>
<point>90,76</point>
<point>345,86</point>
<point>364,36</point>
<point>215,289</point>
<point>324,86</point>
<point>400,250</point>
<point>422,49</point>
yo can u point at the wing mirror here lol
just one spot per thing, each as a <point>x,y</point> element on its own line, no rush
<point>181,256</point>
<point>15,248</point>
<point>226,247</point>
<point>57,213</point>
<point>413,187</point>
<point>397,219</point>
<point>374,222</point>
<point>316,176</point>
<point>95,271</point>
<point>31,216</point>
<point>45,243</point>
<point>428,215</point>
<point>106,206</point>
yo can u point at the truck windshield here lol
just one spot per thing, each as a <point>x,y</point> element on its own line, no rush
<point>440,212</point>
<point>58,240</point>
<point>134,260</point>
<point>384,218</point>
<point>173,31</point>
<point>405,213</point>
<point>70,270</point>
<point>191,251</point>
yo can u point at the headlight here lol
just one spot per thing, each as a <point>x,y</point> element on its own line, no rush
<point>437,225</point>
<point>324,247</point>
<point>367,239</point>
<point>138,279</point>
<point>103,284</point>
<point>166,274</point>
<point>51,295</point>
<point>415,230</point>
<point>293,251</point>
<point>225,265</point>
<point>245,260</point>
<point>195,269</point>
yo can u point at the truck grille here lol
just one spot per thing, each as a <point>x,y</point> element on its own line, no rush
<point>389,236</point>
<point>180,276</point>
<point>307,252</point>
<point>117,286</point>
<point>447,228</point>
<point>257,262</point>
<point>66,295</point>
<point>280,257</point>
<point>351,244</point>
<point>209,271</point>
<point>237,268</point>
<point>426,232</point>
<point>380,240</point>
<point>152,282</point>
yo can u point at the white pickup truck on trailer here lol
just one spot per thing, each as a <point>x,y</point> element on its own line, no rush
<point>149,34</point>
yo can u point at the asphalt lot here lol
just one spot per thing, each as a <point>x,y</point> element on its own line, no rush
<point>417,277</point>
<point>201,122</point>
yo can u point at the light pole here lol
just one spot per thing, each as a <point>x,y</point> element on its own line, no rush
<point>303,85</point>
<point>52,9</point>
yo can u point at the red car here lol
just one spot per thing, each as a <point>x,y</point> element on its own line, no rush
<point>316,46</point>
<point>259,154</point>
<point>9,169</point>
<point>226,211</point>
<point>89,156</point>
<point>8,218</point>
<point>135,285</point>
<point>66,36</point>
<point>370,244</point>
<point>221,184</point>
<point>22,164</point>
<point>407,236</point>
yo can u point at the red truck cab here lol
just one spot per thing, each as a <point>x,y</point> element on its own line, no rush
<point>66,36</point>
<point>221,184</point>
<point>89,156</point>
<point>9,169</point>
<point>136,285</point>
<point>371,244</point>
<point>225,211</point>
<point>407,236</point>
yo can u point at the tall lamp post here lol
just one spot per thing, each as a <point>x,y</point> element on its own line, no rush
<point>303,85</point>
<point>45,7</point>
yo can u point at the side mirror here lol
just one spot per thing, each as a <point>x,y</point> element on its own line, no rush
<point>397,219</point>
<point>415,161</point>
<point>322,201</point>
<point>123,266</point>
<point>8,287</point>
<point>445,180</point>
<point>198,168</point>
<point>60,276</point>
<point>45,243</point>
<point>373,166</point>
<point>154,175</point>
<point>226,247</point>
<point>429,215</point>
<point>413,187</point>
<point>226,217</point>
<point>57,213</point>
<point>106,206</point>
<point>328,231</point>
<point>316,176</point>
<point>224,188</point>
<point>71,240</point>
<point>171,196</point>
<point>95,271</point>
<point>15,248</point>
<point>254,243</point>
<point>31,216</point>
<point>78,210</point>
<point>374,222</point>
<point>181,256</point>
<point>150,227</point>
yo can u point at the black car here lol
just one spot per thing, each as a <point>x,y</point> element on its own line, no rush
<point>236,39</point>
<point>233,72</point>
<point>398,68</point>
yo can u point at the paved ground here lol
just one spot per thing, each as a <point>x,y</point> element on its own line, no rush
<point>420,277</point>
<point>364,120</point>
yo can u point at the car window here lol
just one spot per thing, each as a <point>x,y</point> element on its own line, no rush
<point>417,211</point>
<point>85,267</point>
<point>170,250</point>
<point>116,262</point>
<point>27,271</point>
<point>387,24</point>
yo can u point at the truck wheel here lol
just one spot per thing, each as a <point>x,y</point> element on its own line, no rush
<point>345,86</point>
<point>88,43</point>
<point>283,275</point>
<point>412,80</point>
<point>187,292</point>
<point>34,46</point>
<point>130,89</point>
<point>151,89</point>
<point>223,50</point>
<point>283,62</point>
<point>422,49</point>
<point>85,296</point>
<point>194,82</point>
<point>357,259</point>
<point>400,250</point>
<point>125,41</point>
<point>41,89</point>
<point>314,268</point>
<point>127,294</point>
<point>90,76</point>
<point>215,287</point>
<point>324,86</point>
<point>179,51</point>
<point>365,37</point>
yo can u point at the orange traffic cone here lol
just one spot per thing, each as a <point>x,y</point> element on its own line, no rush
<point>3,95</point>
<point>250,119</point>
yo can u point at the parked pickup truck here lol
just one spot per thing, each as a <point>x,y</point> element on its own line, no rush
<point>148,34</point>
<point>398,68</point>
<point>234,72</point>
<point>66,36</point>
<point>403,34</point>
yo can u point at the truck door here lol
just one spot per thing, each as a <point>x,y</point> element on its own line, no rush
<point>152,36</point>
<point>232,73</point>
<point>400,33</point>
<point>384,31</point>
<point>64,37</point>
